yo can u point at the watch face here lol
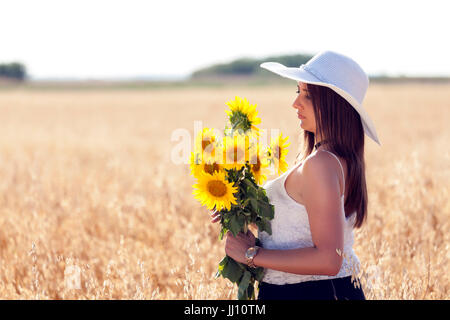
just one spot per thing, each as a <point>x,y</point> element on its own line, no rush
<point>250,252</point>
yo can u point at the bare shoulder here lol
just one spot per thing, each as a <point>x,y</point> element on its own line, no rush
<point>320,161</point>
<point>320,168</point>
<point>321,181</point>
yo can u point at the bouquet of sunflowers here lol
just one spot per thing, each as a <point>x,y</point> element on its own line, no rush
<point>230,169</point>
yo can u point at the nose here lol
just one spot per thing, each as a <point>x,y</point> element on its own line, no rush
<point>296,104</point>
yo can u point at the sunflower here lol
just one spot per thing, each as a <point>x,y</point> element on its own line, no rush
<point>205,144</point>
<point>235,151</point>
<point>198,166</point>
<point>243,115</point>
<point>278,151</point>
<point>259,164</point>
<point>214,191</point>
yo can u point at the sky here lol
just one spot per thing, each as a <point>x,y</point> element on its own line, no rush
<point>170,39</point>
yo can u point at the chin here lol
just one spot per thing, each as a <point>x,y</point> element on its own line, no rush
<point>307,130</point>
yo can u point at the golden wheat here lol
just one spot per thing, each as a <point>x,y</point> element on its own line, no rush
<point>87,181</point>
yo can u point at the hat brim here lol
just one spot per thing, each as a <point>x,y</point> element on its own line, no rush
<point>297,74</point>
<point>300,74</point>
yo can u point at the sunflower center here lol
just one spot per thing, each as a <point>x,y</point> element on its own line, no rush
<point>257,166</point>
<point>205,143</point>
<point>210,168</point>
<point>208,147</point>
<point>217,188</point>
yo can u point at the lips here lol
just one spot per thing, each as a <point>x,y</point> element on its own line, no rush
<point>300,116</point>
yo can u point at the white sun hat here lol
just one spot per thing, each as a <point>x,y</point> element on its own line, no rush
<point>335,71</point>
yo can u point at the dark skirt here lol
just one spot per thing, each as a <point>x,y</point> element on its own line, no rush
<point>329,289</point>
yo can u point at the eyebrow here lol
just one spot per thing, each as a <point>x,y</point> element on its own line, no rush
<point>302,89</point>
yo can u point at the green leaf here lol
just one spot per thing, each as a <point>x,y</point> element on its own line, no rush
<point>243,286</point>
<point>251,189</point>
<point>242,266</point>
<point>266,209</point>
<point>264,225</point>
<point>223,232</point>
<point>235,225</point>
<point>255,206</point>
<point>261,193</point>
<point>222,264</point>
<point>245,202</point>
<point>252,181</point>
<point>231,270</point>
<point>241,220</point>
<point>226,218</point>
<point>251,193</point>
<point>259,274</point>
<point>268,228</point>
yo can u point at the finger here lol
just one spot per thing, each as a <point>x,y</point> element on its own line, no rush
<point>242,235</point>
<point>249,238</point>
<point>246,236</point>
<point>241,241</point>
<point>215,213</point>
<point>216,219</point>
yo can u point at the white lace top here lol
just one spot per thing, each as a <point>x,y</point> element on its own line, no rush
<point>291,230</point>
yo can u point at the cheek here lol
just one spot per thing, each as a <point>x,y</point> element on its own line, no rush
<point>309,111</point>
<point>308,123</point>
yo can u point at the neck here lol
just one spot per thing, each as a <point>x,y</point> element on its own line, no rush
<point>319,144</point>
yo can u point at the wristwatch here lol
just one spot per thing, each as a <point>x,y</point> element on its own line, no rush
<point>250,255</point>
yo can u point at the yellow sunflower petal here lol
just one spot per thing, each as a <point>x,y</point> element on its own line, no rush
<point>214,191</point>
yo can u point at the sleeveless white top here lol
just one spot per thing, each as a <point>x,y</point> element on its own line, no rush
<point>291,230</point>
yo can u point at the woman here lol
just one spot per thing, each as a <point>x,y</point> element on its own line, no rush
<point>319,201</point>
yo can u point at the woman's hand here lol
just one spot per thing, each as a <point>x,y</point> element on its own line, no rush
<point>236,247</point>
<point>215,216</point>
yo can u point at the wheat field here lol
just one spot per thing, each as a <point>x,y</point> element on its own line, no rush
<point>88,182</point>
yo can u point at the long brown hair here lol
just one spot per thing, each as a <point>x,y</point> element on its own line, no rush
<point>340,124</point>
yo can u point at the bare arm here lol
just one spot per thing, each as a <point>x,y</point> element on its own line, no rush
<point>326,219</point>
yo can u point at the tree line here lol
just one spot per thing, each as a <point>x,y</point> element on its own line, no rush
<point>249,66</point>
<point>13,71</point>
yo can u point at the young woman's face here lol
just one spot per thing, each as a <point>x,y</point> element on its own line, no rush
<point>304,106</point>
